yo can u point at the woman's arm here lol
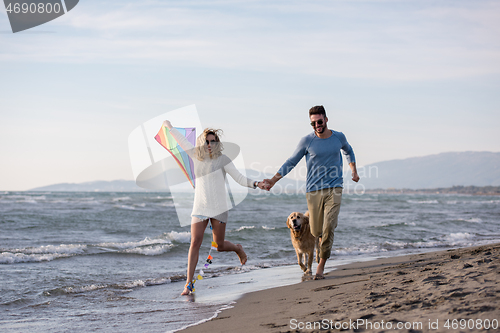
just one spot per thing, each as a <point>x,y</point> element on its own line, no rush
<point>181,139</point>
<point>240,179</point>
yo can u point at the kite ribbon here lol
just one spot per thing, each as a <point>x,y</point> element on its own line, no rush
<point>190,285</point>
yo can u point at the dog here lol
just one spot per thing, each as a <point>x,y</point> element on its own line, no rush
<point>302,240</point>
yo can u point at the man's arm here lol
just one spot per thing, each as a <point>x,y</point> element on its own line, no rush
<point>300,151</point>
<point>349,155</point>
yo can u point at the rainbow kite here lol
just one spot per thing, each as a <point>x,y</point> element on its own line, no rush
<point>181,157</point>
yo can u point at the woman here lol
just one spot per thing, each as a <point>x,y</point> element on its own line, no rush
<point>210,203</point>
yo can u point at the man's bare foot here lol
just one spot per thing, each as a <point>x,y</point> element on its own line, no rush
<point>241,254</point>
<point>321,268</point>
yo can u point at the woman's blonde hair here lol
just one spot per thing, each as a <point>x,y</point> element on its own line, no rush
<point>217,147</point>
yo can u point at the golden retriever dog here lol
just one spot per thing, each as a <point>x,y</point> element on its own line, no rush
<point>302,240</point>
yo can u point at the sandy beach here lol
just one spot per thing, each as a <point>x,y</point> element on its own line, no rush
<point>447,291</point>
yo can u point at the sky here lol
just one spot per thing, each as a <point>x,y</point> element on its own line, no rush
<point>399,78</point>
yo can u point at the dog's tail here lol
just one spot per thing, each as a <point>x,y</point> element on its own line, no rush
<point>306,213</point>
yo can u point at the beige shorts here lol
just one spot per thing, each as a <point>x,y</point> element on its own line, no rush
<point>324,208</point>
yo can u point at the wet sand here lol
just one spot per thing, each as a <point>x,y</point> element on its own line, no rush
<point>447,291</point>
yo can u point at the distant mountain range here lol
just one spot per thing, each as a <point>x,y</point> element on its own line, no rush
<point>427,172</point>
<point>285,185</point>
<point>434,171</point>
<point>96,186</point>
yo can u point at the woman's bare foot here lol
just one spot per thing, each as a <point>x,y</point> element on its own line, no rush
<point>188,288</point>
<point>241,254</point>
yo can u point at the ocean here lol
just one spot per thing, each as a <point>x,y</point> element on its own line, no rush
<point>116,262</point>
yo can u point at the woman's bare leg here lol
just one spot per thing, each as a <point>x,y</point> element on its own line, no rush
<point>197,231</point>
<point>219,232</point>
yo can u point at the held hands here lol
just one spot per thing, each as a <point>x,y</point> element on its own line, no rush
<point>263,185</point>
<point>268,184</point>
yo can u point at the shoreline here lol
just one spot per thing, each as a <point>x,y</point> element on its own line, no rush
<point>425,290</point>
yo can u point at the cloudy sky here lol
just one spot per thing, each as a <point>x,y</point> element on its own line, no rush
<point>399,78</point>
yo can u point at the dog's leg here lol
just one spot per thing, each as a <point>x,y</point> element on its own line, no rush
<point>299,259</point>
<point>310,257</point>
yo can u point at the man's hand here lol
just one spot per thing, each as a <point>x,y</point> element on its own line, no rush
<point>262,185</point>
<point>354,172</point>
<point>355,177</point>
<point>267,185</point>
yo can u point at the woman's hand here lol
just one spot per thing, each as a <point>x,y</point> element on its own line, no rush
<point>167,124</point>
<point>262,186</point>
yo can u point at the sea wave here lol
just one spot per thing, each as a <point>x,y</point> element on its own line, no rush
<point>181,237</point>
<point>41,253</point>
<point>126,285</point>
<point>244,228</point>
<point>150,250</point>
<point>147,247</point>
<point>265,227</point>
<point>450,240</point>
<point>471,219</point>
<point>14,258</point>
<point>121,199</point>
<point>53,249</point>
<point>433,202</point>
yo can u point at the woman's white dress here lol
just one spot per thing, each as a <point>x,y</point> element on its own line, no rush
<point>210,194</point>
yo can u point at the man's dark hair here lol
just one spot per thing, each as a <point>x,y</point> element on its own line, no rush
<point>318,109</point>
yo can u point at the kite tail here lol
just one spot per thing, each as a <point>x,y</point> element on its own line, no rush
<point>190,285</point>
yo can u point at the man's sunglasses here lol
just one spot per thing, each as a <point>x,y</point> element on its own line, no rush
<point>319,122</point>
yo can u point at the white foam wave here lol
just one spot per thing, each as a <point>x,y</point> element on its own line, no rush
<point>358,250</point>
<point>129,245</point>
<point>26,198</point>
<point>458,236</point>
<point>245,227</point>
<point>181,237</point>
<point>76,290</point>
<point>125,207</point>
<point>121,199</point>
<point>496,202</point>
<point>394,224</point>
<point>14,258</point>
<point>164,198</point>
<point>472,220</point>
<point>361,199</point>
<point>423,201</point>
<point>453,239</point>
<point>265,227</point>
<point>53,249</point>
<point>124,285</point>
<point>149,246</point>
<point>150,250</point>
<point>143,283</point>
<point>41,253</point>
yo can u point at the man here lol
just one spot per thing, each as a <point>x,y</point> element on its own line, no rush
<point>324,179</point>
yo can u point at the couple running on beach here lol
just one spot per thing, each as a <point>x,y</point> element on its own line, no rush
<point>322,150</point>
